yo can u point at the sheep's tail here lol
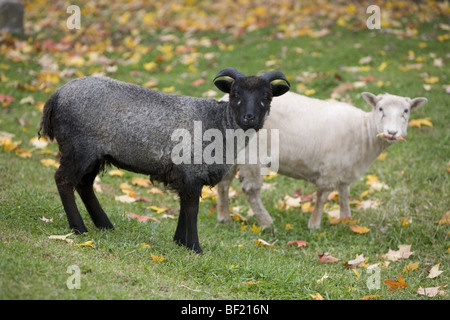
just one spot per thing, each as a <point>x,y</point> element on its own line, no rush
<point>46,128</point>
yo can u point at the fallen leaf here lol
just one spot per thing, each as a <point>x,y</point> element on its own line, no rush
<point>300,243</point>
<point>251,282</point>
<point>85,244</point>
<point>403,252</point>
<point>316,296</point>
<point>155,190</point>
<point>359,229</point>
<point>326,258</point>
<point>116,172</point>
<point>141,218</point>
<point>419,122</point>
<point>142,182</point>
<point>445,219</point>
<point>39,143</point>
<point>157,259</point>
<point>50,162</point>
<point>125,198</point>
<point>434,272</point>
<point>157,209</point>
<point>411,267</point>
<point>355,262</point>
<point>373,296</point>
<point>396,284</point>
<point>306,207</point>
<point>263,243</point>
<point>432,291</point>
<point>255,229</point>
<point>45,219</point>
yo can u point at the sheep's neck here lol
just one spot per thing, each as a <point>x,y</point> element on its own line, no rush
<point>374,145</point>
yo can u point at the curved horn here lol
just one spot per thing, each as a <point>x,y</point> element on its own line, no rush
<point>275,75</point>
<point>229,72</point>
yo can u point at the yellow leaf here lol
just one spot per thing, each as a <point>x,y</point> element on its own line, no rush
<point>410,267</point>
<point>405,221</point>
<point>251,282</point>
<point>445,219</point>
<point>371,297</point>
<point>158,210</point>
<point>288,227</point>
<point>50,162</point>
<point>356,273</point>
<point>150,66</point>
<point>382,156</point>
<point>419,122</point>
<point>23,153</point>
<point>119,173</point>
<point>316,296</point>
<point>142,182</point>
<point>155,190</point>
<point>263,243</point>
<point>157,259</point>
<point>85,244</point>
<point>144,245</point>
<point>430,80</point>
<point>39,143</point>
<point>255,229</point>
<point>382,66</point>
<point>306,207</point>
<point>359,229</point>
<point>125,17</point>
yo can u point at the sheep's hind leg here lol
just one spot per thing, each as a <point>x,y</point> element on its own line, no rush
<point>66,192</point>
<point>186,233</point>
<point>223,203</point>
<point>344,204</point>
<point>316,217</point>
<point>86,191</point>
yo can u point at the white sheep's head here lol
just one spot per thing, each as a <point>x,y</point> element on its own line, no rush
<point>391,113</point>
<point>250,97</point>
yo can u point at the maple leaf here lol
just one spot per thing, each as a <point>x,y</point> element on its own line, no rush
<point>434,272</point>
<point>263,243</point>
<point>326,258</point>
<point>419,122</point>
<point>410,267</point>
<point>116,172</point>
<point>359,229</point>
<point>300,243</point>
<point>316,296</point>
<point>355,262</point>
<point>157,209</point>
<point>432,291</point>
<point>157,259</point>
<point>396,284</point>
<point>142,182</point>
<point>141,218</point>
<point>403,252</point>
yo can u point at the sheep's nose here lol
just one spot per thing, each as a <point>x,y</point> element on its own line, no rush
<point>248,119</point>
<point>392,132</point>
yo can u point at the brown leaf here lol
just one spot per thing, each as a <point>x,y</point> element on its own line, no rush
<point>300,243</point>
<point>326,258</point>
<point>141,218</point>
<point>359,229</point>
<point>396,284</point>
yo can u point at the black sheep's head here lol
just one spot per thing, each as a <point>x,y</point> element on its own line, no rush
<point>250,97</point>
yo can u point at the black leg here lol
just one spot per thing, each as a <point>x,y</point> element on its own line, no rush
<point>186,233</point>
<point>86,191</point>
<point>67,195</point>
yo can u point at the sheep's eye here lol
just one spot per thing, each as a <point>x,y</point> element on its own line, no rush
<point>406,110</point>
<point>380,109</point>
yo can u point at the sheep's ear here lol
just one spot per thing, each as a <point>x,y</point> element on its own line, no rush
<point>279,89</point>
<point>223,85</point>
<point>370,98</point>
<point>417,102</point>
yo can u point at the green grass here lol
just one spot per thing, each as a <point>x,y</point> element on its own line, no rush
<point>32,266</point>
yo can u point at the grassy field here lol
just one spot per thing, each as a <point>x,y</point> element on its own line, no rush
<point>319,49</point>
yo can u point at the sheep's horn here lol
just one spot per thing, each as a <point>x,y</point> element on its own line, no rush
<point>229,72</point>
<point>275,75</point>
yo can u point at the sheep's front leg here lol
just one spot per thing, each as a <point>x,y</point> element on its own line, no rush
<point>252,181</point>
<point>223,204</point>
<point>316,217</point>
<point>186,233</point>
<point>344,203</point>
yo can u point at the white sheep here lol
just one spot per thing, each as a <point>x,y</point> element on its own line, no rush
<point>328,143</point>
